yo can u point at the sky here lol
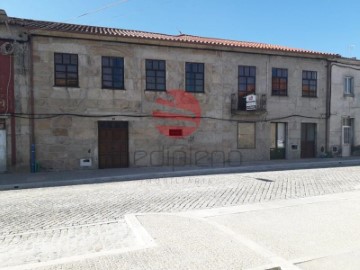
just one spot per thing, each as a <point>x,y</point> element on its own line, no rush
<point>322,25</point>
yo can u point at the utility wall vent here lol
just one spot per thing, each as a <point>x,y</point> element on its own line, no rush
<point>85,162</point>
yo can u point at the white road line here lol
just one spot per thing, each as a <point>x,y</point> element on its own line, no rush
<point>275,259</point>
<point>140,233</point>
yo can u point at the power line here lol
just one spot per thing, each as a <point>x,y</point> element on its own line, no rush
<point>113,4</point>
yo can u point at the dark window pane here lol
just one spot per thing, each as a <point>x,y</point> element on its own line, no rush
<point>60,68</point>
<point>155,65</point>
<point>58,58</point>
<point>162,65</point>
<point>72,68</point>
<point>160,73</point>
<point>66,59</point>
<point>149,64</point>
<point>105,61</point>
<point>74,59</point>
<point>60,75</point>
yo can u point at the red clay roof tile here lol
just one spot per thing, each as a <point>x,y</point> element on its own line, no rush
<point>34,25</point>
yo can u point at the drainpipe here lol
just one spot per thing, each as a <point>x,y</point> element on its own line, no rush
<point>32,110</point>
<point>328,105</point>
<point>12,117</point>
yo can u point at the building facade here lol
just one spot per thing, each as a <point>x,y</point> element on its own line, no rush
<point>95,97</point>
<point>344,132</point>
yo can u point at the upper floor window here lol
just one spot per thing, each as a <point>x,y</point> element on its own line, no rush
<point>66,69</point>
<point>349,85</point>
<point>309,83</point>
<point>279,81</point>
<point>246,84</point>
<point>112,72</point>
<point>195,77</point>
<point>155,75</point>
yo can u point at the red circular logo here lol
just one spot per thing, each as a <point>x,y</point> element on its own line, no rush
<point>183,107</point>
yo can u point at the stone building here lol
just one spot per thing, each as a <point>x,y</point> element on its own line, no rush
<point>96,97</point>
<point>344,122</point>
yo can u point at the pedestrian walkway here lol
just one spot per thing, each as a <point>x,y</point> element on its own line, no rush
<point>86,176</point>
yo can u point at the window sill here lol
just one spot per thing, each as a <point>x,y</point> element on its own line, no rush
<point>117,89</point>
<point>309,96</point>
<point>194,92</point>
<point>348,95</point>
<point>65,86</point>
<point>153,90</point>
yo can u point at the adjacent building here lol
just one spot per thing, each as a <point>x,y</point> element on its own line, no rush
<point>95,97</point>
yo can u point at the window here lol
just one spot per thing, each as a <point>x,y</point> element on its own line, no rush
<point>155,75</point>
<point>112,72</point>
<point>246,84</point>
<point>279,81</point>
<point>66,69</point>
<point>246,135</point>
<point>194,77</point>
<point>309,83</point>
<point>349,86</point>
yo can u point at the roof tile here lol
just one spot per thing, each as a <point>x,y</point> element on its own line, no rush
<point>34,25</point>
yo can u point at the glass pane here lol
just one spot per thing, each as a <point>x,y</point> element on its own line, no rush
<point>66,58</point>
<point>281,135</point>
<point>107,84</point>
<point>160,74</point>
<point>149,64</point>
<point>105,61</point>
<point>58,58</point>
<point>162,65</point>
<point>60,68</point>
<point>253,71</point>
<point>72,68</point>
<point>74,59</point>
<point>201,68</point>
<point>155,65</point>
<point>273,135</point>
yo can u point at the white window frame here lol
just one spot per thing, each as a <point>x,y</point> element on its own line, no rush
<point>349,86</point>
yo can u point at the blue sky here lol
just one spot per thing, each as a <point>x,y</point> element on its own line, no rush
<point>322,25</point>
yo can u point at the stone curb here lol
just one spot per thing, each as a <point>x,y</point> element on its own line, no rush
<point>181,173</point>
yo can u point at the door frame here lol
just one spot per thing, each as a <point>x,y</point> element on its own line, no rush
<point>301,139</point>
<point>115,125</point>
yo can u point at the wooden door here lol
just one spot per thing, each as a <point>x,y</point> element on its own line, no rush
<point>113,139</point>
<point>308,140</point>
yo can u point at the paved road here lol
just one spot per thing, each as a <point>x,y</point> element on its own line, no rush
<point>49,225</point>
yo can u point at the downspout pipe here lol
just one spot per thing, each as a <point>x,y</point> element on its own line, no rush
<point>328,105</point>
<point>32,108</point>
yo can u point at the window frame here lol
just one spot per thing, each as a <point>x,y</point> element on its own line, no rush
<point>113,74</point>
<point>242,94</point>
<point>156,75</point>
<point>254,135</point>
<point>347,80</point>
<point>310,82</point>
<point>279,78</point>
<point>66,72</point>
<point>200,70</point>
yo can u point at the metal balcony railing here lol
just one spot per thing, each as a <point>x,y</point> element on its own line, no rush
<point>238,104</point>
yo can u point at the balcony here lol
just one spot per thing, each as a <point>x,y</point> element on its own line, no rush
<point>239,106</point>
